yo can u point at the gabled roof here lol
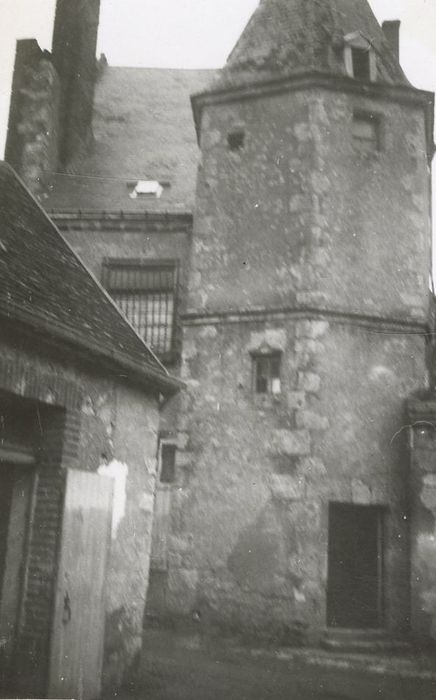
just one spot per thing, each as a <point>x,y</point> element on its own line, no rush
<point>286,37</point>
<point>44,286</point>
<point>143,130</point>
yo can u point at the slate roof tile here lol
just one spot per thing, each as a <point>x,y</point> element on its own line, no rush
<point>143,129</point>
<point>284,37</point>
<point>44,284</point>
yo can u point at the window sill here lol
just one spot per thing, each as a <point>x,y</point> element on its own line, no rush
<point>267,400</point>
<point>367,155</point>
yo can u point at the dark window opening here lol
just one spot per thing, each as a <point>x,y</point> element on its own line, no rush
<point>235,140</point>
<point>366,131</point>
<point>361,64</point>
<point>168,463</point>
<point>266,373</point>
<point>146,294</point>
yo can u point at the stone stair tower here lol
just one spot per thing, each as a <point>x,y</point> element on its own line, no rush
<point>305,331</point>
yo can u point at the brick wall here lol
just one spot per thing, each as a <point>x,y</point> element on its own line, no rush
<point>86,419</point>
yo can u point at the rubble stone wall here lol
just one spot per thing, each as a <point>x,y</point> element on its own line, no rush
<point>32,144</point>
<point>422,412</point>
<point>256,473</point>
<point>301,207</point>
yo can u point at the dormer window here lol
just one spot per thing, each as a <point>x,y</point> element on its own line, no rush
<point>359,57</point>
<point>361,67</point>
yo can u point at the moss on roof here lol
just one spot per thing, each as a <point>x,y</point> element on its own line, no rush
<point>284,37</point>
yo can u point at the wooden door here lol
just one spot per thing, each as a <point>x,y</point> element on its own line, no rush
<point>355,567</point>
<point>76,655</point>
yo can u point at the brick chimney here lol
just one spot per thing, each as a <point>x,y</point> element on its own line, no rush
<point>391,30</point>
<point>74,57</point>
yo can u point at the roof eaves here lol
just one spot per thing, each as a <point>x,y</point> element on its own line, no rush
<point>307,79</point>
<point>162,380</point>
<point>177,220</point>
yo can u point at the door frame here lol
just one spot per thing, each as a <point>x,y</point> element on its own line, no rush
<point>58,584</point>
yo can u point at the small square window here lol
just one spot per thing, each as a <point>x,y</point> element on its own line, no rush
<point>235,140</point>
<point>361,64</point>
<point>366,132</point>
<point>167,463</point>
<point>266,374</point>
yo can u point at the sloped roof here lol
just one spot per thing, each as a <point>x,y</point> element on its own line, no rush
<point>143,129</point>
<point>284,37</point>
<point>44,285</point>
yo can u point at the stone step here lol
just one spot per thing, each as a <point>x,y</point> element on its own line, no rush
<point>364,641</point>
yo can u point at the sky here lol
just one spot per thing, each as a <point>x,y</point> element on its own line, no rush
<point>193,34</point>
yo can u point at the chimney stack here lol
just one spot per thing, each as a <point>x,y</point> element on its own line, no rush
<point>391,30</point>
<point>74,57</point>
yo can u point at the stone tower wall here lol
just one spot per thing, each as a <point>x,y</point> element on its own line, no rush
<point>256,475</point>
<point>308,246</point>
<point>321,223</point>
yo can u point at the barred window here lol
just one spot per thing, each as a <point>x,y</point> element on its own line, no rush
<point>146,293</point>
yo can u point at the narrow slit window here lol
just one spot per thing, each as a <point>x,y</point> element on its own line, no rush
<point>168,463</point>
<point>266,374</point>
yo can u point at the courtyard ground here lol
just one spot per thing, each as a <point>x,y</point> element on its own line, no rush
<point>175,666</point>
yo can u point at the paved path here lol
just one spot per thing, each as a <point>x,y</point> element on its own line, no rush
<point>190,668</point>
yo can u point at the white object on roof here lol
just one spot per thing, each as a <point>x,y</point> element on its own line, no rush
<point>150,187</point>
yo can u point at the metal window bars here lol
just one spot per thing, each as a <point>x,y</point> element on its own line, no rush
<point>146,293</point>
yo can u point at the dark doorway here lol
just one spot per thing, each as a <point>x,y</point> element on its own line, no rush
<point>16,483</point>
<point>355,566</point>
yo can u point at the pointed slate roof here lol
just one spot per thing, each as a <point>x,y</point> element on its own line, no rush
<point>46,288</point>
<point>287,37</point>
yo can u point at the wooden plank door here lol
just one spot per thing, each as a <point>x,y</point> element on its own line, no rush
<point>76,655</point>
